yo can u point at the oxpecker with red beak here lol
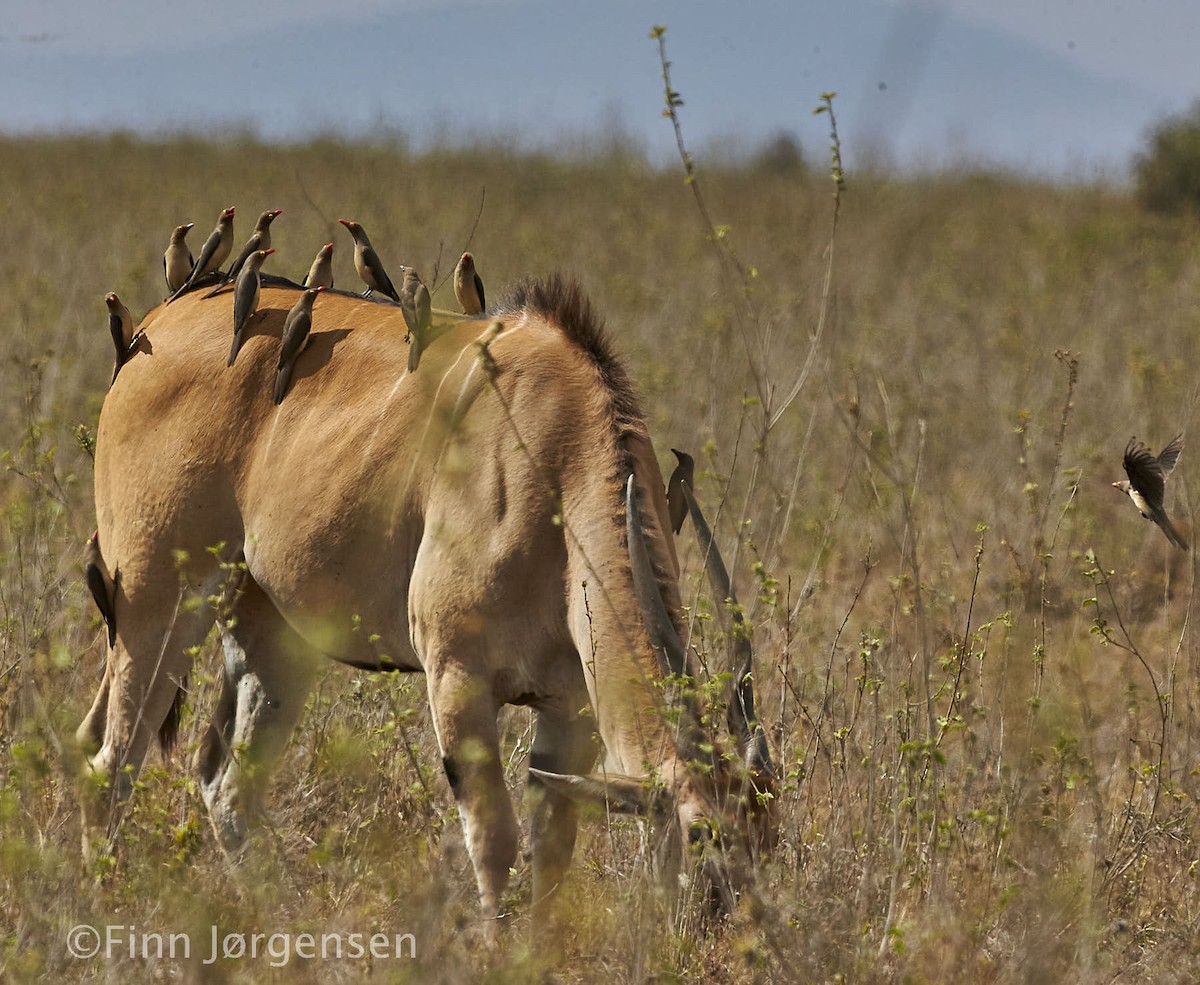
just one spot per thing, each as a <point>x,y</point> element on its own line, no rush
<point>368,264</point>
<point>120,326</point>
<point>178,260</point>
<point>260,239</point>
<point>245,298</point>
<point>213,253</point>
<point>101,584</point>
<point>414,302</point>
<point>320,274</point>
<point>468,287</point>
<point>295,340</point>
<point>685,472</point>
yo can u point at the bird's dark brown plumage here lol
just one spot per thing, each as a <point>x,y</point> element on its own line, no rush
<point>1146,484</point>
<point>296,330</point>
<point>366,261</point>
<point>685,471</point>
<point>212,254</point>
<point>418,314</point>
<point>101,584</point>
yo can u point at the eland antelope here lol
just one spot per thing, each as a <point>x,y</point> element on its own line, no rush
<point>475,521</point>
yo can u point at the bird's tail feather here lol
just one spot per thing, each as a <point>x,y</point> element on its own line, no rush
<point>282,379</point>
<point>1174,536</point>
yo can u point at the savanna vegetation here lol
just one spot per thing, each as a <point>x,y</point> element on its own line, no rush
<point>1168,171</point>
<point>976,662</point>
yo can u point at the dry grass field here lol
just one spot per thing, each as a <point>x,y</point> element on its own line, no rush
<point>977,663</point>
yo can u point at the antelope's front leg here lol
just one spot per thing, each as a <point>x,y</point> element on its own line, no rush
<point>563,744</point>
<point>464,716</point>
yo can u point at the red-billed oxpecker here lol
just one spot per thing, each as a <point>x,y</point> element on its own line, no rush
<point>178,260</point>
<point>245,298</point>
<point>213,253</point>
<point>468,287</point>
<point>120,326</point>
<point>1147,483</point>
<point>418,313</point>
<point>260,239</point>
<point>677,505</point>
<point>320,274</point>
<point>295,340</point>
<point>368,264</point>
<point>100,583</point>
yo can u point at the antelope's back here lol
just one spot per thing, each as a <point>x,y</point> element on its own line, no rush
<point>185,439</point>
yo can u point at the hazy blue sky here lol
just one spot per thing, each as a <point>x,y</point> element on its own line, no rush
<point>1056,86</point>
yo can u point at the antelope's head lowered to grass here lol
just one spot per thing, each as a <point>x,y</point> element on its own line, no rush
<point>721,805</point>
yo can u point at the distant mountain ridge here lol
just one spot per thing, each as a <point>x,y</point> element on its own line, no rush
<point>917,85</point>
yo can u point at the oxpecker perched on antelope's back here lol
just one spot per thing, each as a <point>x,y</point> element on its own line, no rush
<point>213,253</point>
<point>100,583</point>
<point>178,260</point>
<point>295,340</point>
<point>320,274</point>
<point>418,313</point>
<point>368,264</point>
<point>260,239</point>
<point>468,287</point>
<point>120,326</point>
<point>245,298</point>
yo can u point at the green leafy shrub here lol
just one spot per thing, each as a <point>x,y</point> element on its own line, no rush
<point>1168,174</point>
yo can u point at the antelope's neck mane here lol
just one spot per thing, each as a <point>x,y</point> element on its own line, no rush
<point>645,736</point>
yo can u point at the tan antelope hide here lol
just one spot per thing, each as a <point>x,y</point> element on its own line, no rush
<point>468,520</point>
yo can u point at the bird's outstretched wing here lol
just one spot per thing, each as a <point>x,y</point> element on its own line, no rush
<point>1145,471</point>
<point>1170,455</point>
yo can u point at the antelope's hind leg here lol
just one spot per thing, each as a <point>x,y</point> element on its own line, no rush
<point>142,676</point>
<point>268,675</point>
<point>90,734</point>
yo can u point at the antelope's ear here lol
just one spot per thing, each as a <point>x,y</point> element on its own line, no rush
<point>621,794</point>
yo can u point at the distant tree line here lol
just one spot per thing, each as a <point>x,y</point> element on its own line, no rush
<point>1168,172</point>
<point>779,154</point>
